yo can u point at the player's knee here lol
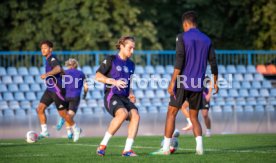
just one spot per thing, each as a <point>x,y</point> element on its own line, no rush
<point>39,110</point>
<point>122,114</point>
<point>135,117</point>
<point>172,111</point>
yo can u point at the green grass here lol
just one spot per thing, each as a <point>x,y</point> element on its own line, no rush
<point>218,148</point>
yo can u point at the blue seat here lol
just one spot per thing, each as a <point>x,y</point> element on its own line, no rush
<point>233,93</point>
<point>261,101</point>
<point>96,94</point>
<point>258,77</point>
<point>43,86</point>
<point>238,108</point>
<point>87,70</point>
<point>266,84</point>
<point>256,84</point>
<point>169,69</point>
<point>42,70</point>
<point>223,93</point>
<point>253,92</point>
<point>92,103</point>
<point>149,69</point>
<point>3,88</point>
<point>248,108</point>
<point>240,101</point>
<point>160,93</point>
<point>220,101</point>
<point>146,102</point>
<point>14,105</point>
<point>11,71</point>
<point>18,79</point>
<point>39,94</point>
<point>24,87</point>
<point>25,105</point>
<point>157,102</point>
<point>259,108</point>
<point>264,92</point>
<point>139,70</point>
<point>8,96</point>
<point>241,69</point>
<point>38,79</point>
<point>236,84</point>
<point>230,69</point>
<point>222,69</point>
<point>87,111</point>
<point>29,79</point>
<point>95,68</point>
<point>23,71</point>
<point>160,69</point>
<point>251,101</point>
<point>149,94</point>
<point>251,69</point>
<point>8,113</point>
<point>34,71</point>
<point>35,87</point>
<point>238,77</point>
<point>6,79</point>
<point>230,101</point>
<point>19,96</point>
<point>248,77</point>
<point>2,71</point>
<point>82,104</point>
<point>273,92</point>
<point>227,108</point>
<point>216,108</point>
<point>246,85</point>
<point>3,105</point>
<point>139,94</point>
<point>30,96</point>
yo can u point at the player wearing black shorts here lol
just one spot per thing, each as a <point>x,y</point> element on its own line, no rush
<point>54,92</point>
<point>193,50</point>
<point>115,71</point>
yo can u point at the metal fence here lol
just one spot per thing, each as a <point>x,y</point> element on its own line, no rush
<point>140,57</point>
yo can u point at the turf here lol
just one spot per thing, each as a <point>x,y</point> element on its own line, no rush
<point>218,148</point>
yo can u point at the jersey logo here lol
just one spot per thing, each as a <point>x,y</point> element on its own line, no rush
<point>126,69</point>
<point>60,106</point>
<point>206,105</point>
<point>53,59</point>
<point>104,62</point>
<point>176,39</point>
<point>114,102</point>
<point>119,68</point>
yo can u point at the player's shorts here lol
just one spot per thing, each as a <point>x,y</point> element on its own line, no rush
<point>49,97</point>
<point>73,103</point>
<point>194,99</point>
<point>117,102</point>
<point>205,104</point>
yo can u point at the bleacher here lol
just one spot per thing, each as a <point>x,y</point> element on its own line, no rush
<point>21,89</point>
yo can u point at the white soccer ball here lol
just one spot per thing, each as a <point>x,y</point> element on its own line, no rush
<point>31,137</point>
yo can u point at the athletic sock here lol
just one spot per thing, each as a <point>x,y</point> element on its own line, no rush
<point>106,138</point>
<point>128,145</point>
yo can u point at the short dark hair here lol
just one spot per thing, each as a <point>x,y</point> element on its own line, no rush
<point>190,16</point>
<point>47,42</point>
<point>123,40</point>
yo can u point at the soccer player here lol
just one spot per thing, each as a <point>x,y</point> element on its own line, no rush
<point>74,80</point>
<point>193,50</point>
<point>54,92</point>
<point>115,71</point>
<point>207,94</point>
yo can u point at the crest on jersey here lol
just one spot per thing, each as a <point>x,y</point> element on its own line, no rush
<point>176,39</point>
<point>125,69</point>
<point>114,102</point>
<point>53,59</point>
<point>119,68</point>
<point>104,62</point>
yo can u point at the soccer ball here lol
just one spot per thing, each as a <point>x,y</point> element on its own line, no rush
<point>31,137</point>
<point>173,144</point>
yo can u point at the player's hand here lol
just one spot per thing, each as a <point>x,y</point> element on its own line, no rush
<point>132,98</point>
<point>216,89</point>
<point>207,98</point>
<point>43,76</point>
<point>120,84</point>
<point>170,89</point>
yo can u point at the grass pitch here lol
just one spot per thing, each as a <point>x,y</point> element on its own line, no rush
<point>218,148</point>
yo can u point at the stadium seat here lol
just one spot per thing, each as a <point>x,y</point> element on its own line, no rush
<point>241,69</point>
<point>270,108</point>
<point>230,101</point>
<point>14,105</point>
<point>24,87</point>
<point>82,104</point>
<point>96,94</point>
<point>163,109</point>
<point>240,101</point>
<point>149,69</point>
<point>271,101</point>
<point>259,108</point>
<point>92,103</point>
<point>261,101</point>
<point>216,109</point>
<point>236,85</point>
<point>87,111</point>
<point>139,94</point>
<point>3,88</point>
<point>230,69</point>
<point>152,109</point>
<point>248,77</point>
<point>8,113</point>
<point>35,87</point>
<point>2,71</point>
<point>29,79</point>
<point>238,77</point>
<point>25,104</point>
<point>264,92</point>
<point>139,70</point>
<point>251,101</point>
<point>42,70</point>
<point>87,70</point>
<point>256,84</point>
<point>157,102</point>
<point>266,84</point>
<point>160,69</point>
<point>146,102</point>
<point>142,109</point>
<point>250,69</point>
<point>38,79</point>
<point>23,71</point>
<point>19,96</point>
<point>248,109</point>
<point>18,79</point>
<point>220,101</point>
<point>271,69</point>
<point>11,71</point>
<point>238,108</point>
<point>35,103</point>
<point>160,93</point>
<point>95,68</point>
<point>6,79</point>
<point>227,108</point>
<point>223,93</point>
<point>245,85</point>
<point>222,69</point>
<point>169,69</point>
<point>8,96</point>
<point>233,93</point>
<point>1,98</point>
<point>258,77</point>
<point>33,71</point>
<point>3,105</point>
<point>254,92</point>
<point>261,69</point>
<point>43,86</point>
<point>30,96</point>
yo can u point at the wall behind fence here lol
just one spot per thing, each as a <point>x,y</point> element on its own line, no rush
<point>140,57</point>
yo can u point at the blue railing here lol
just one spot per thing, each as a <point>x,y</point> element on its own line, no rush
<point>140,57</point>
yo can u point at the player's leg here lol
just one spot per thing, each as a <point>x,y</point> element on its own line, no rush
<point>185,112</point>
<point>195,101</point>
<point>68,127</point>
<point>45,101</point>
<point>207,122</point>
<point>134,119</point>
